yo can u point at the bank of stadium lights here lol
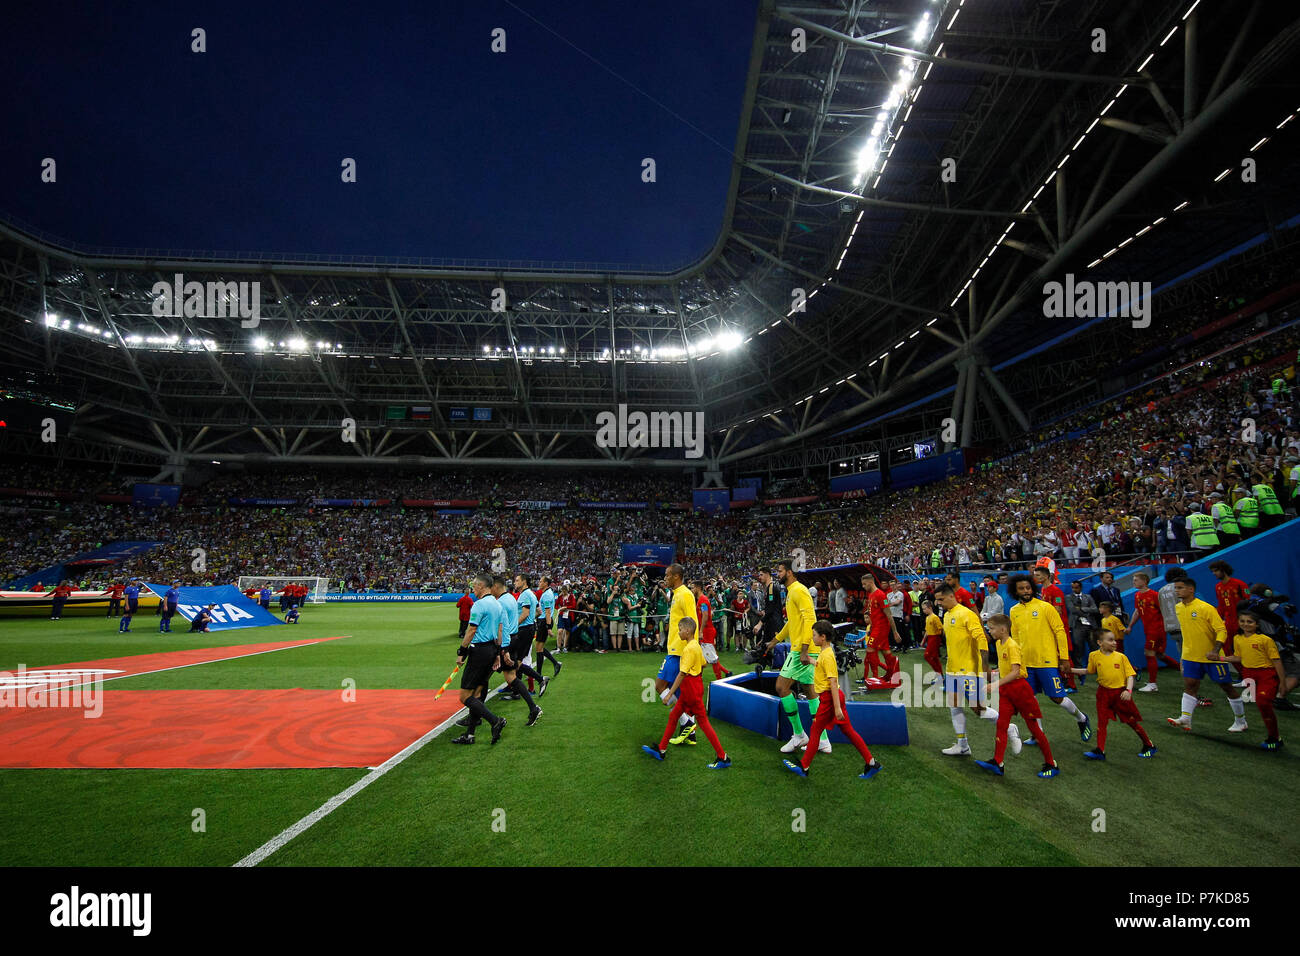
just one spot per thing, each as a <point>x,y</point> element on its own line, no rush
<point>729,340</point>
<point>1182,205</point>
<point>900,94</point>
<point>1066,158</point>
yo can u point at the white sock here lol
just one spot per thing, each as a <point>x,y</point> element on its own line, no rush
<point>683,720</point>
<point>1238,708</point>
<point>958,721</point>
<point>1068,706</point>
<point>989,714</point>
<point>1189,705</point>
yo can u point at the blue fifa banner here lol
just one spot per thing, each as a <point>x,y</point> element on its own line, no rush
<point>649,553</point>
<point>744,494</point>
<point>155,496</point>
<point>47,576</point>
<point>482,414</point>
<point>861,483</point>
<point>231,609</point>
<point>755,483</point>
<point>926,470</point>
<point>458,414</point>
<point>711,501</point>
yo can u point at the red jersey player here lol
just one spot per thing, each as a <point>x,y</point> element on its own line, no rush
<point>708,631</point>
<point>114,592</point>
<point>881,629</point>
<point>1228,593</point>
<point>565,606</point>
<point>960,593</point>
<point>463,606</point>
<point>1146,608</point>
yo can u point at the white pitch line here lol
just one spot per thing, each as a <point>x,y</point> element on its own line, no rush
<point>336,801</point>
<point>159,670</point>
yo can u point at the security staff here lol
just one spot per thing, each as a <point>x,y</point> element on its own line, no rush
<point>1225,521</point>
<point>1247,509</point>
<point>1200,527</point>
<point>1270,508</point>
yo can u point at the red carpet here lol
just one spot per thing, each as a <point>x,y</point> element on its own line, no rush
<point>223,729</point>
<point>137,664</point>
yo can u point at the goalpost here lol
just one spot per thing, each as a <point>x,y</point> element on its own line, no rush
<point>316,587</point>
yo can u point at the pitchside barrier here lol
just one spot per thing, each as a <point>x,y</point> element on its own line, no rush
<point>749,700</point>
<point>80,603</point>
<point>1272,557</point>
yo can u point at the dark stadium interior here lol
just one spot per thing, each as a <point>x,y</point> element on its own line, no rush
<point>889,365</point>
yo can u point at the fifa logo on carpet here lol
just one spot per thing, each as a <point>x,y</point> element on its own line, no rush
<point>622,429</point>
<point>209,300</point>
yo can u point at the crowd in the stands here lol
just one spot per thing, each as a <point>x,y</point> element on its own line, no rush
<point>1123,477</point>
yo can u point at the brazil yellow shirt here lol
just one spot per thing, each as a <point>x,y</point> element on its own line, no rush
<point>1037,627</point>
<point>825,673</point>
<point>692,661</point>
<point>1256,650</point>
<point>964,637</point>
<point>933,625</point>
<point>1112,670</point>
<point>1115,626</point>
<point>799,618</point>
<point>683,606</point>
<point>1201,627</point>
<point>1009,656</point>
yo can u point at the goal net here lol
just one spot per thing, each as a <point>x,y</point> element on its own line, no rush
<point>316,587</point>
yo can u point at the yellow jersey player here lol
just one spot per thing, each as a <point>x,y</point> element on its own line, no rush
<point>1037,628</point>
<point>1204,635</point>
<point>683,606</point>
<point>968,662</point>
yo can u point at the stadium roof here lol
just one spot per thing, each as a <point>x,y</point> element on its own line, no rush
<point>1064,159</point>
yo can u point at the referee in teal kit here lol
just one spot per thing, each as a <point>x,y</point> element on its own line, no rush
<point>479,650</point>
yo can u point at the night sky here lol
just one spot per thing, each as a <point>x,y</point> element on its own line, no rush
<point>531,154</point>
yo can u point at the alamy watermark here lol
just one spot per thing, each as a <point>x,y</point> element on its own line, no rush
<point>209,300</point>
<point>622,429</point>
<point>77,688</point>
<point>77,909</point>
<point>1085,299</point>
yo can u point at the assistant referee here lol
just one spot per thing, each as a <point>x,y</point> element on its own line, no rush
<point>479,650</point>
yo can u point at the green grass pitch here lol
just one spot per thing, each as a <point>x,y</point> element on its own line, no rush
<point>575,789</point>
